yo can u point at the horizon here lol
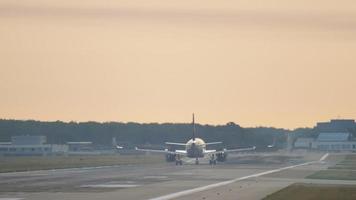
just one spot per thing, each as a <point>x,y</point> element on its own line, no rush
<point>160,123</point>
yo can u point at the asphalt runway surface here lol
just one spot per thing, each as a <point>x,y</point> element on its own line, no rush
<point>246,176</point>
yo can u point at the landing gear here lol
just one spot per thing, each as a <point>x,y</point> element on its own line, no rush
<point>178,160</point>
<point>196,161</point>
<point>212,160</point>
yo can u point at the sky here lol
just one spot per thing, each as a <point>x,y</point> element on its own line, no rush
<point>278,63</point>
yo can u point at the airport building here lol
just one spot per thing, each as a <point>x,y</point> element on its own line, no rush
<point>337,141</point>
<point>335,135</point>
<point>336,125</point>
<point>37,145</point>
<point>31,145</point>
<point>80,146</point>
<point>304,143</point>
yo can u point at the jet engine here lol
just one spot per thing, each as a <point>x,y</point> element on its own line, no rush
<point>170,157</point>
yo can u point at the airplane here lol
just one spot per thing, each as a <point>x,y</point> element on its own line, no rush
<point>196,148</point>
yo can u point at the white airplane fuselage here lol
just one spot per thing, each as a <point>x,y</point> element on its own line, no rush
<point>195,148</point>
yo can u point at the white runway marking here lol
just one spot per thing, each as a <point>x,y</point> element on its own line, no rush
<point>324,157</point>
<point>155,177</point>
<point>11,198</point>
<point>37,175</point>
<point>74,170</point>
<point>207,187</point>
<point>109,186</point>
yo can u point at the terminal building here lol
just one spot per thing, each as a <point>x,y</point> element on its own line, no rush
<point>31,145</point>
<point>336,135</point>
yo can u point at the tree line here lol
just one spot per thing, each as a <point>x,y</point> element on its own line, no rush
<point>150,134</point>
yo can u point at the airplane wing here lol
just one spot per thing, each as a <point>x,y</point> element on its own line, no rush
<point>209,152</point>
<point>181,152</point>
<point>165,151</point>
<point>237,150</point>
<point>175,143</point>
<point>210,143</point>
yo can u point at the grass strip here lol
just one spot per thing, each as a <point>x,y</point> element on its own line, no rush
<point>15,164</point>
<point>314,192</point>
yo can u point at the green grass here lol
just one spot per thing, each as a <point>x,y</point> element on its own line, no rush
<point>343,170</point>
<point>334,175</point>
<point>13,164</point>
<point>349,162</point>
<point>314,192</point>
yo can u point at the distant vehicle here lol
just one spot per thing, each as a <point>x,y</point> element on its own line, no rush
<point>196,148</point>
<point>273,144</point>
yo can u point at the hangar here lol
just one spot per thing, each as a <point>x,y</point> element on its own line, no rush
<point>335,135</point>
<point>338,141</point>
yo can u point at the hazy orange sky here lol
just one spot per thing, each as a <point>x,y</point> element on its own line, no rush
<point>272,63</point>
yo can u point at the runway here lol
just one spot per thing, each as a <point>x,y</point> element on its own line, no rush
<point>250,176</point>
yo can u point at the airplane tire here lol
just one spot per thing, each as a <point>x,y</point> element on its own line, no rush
<point>212,162</point>
<point>179,162</point>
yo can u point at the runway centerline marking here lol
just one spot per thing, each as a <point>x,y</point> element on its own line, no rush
<point>211,186</point>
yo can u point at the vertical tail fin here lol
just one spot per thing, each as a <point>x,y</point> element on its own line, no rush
<point>193,128</point>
